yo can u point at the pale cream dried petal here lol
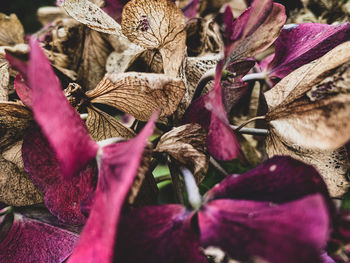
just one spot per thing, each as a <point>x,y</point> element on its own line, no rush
<point>91,15</point>
<point>187,145</point>
<point>311,106</point>
<point>157,25</point>
<point>4,80</point>
<point>103,126</point>
<point>300,81</point>
<point>333,166</point>
<point>11,30</point>
<point>139,94</point>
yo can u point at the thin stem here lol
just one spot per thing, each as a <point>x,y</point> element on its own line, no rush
<point>177,184</point>
<point>254,76</point>
<point>206,77</point>
<point>217,166</point>
<point>194,198</point>
<point>251,131</point>
<point>249,121</point>
<point>162,178</point>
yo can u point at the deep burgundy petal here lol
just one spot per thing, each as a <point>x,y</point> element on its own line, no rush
<point>63,198</point>
<point>280,179</point>
<point>288,233</point>
<point>61,124</point>
<point>119,165</point>
<point>304,43</point>
<point>158,234</point>
<point>197,113</point>
<point>33,241</point>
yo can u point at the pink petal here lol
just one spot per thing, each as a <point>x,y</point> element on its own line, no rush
<point>62,198</point>
<point>158,234</point>
<point>288,233</point>
<point>190,10</point>
<point>279,179</point>
<point>23,91</point>
<point>29,240</point>
<point>119,165</point>
<point>302,44</point>
<point>61,124</point>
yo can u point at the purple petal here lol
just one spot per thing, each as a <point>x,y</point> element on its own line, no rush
<point>19,65</point>
<point>119,165</point>
<point>62,198</point>
<point>326,259</point>
<point>288,233</point>
<point>304,43</point>
<point>246,23</point>
<point>197,113</point>
<point>23,91</point>
<point>221,140</point>
<point>158,234</point>
<point>233,93</point>
<point>279,179</point>
<point>32,241</point>
<point>190,10</point>
<point>60,123</point>
<point>115,8</point>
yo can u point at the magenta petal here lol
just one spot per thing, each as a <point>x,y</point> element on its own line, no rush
<point>19,65</point>
<point>245,24</point>
<point>119,165</point>
<point>32,241</point>
<point>288,233</point>
<point>61,124</point>
<point>221,140</point>
<point>197,113</point>
<point>190,10</point>
<point>23,91</point>
<point>114,8</point>
<point>304,43</point>
<point>280,179</point>
<point>158,234</point>
<point>62,198</point>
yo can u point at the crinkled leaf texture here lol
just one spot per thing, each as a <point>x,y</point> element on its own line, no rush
<point>60,123</point>
<point>119,164</point>
<point>29,240</point>
<point>63,198</point>
<point>301,44</point>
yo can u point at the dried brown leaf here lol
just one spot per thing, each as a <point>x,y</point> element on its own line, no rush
<point>11,30</point>
<point>49,14</point>
<point>187,145</point>
<point>16,188</point>
<point>146,61</point>
<point>4,80</point>
<point>332,165</point>
<point>14,120</point>
<point>92,16</point>
<point>157,25</point>
<point>139,94</point>
<point>103,126</point>
<point>311,106</point>
<point>144,189</point>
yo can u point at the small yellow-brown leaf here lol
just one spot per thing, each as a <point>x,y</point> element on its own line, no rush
<point>103,126</point>
<point>187,145</point>
<point>139,94</point>
<point>157,25</point>
<point>4,80</point>
<point>11,30</point>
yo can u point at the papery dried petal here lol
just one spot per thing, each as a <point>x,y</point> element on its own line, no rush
<point>158,234</point>
<point>246,229</point>
<point>61,124</point>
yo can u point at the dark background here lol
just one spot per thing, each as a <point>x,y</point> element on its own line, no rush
<point>25,11</point>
